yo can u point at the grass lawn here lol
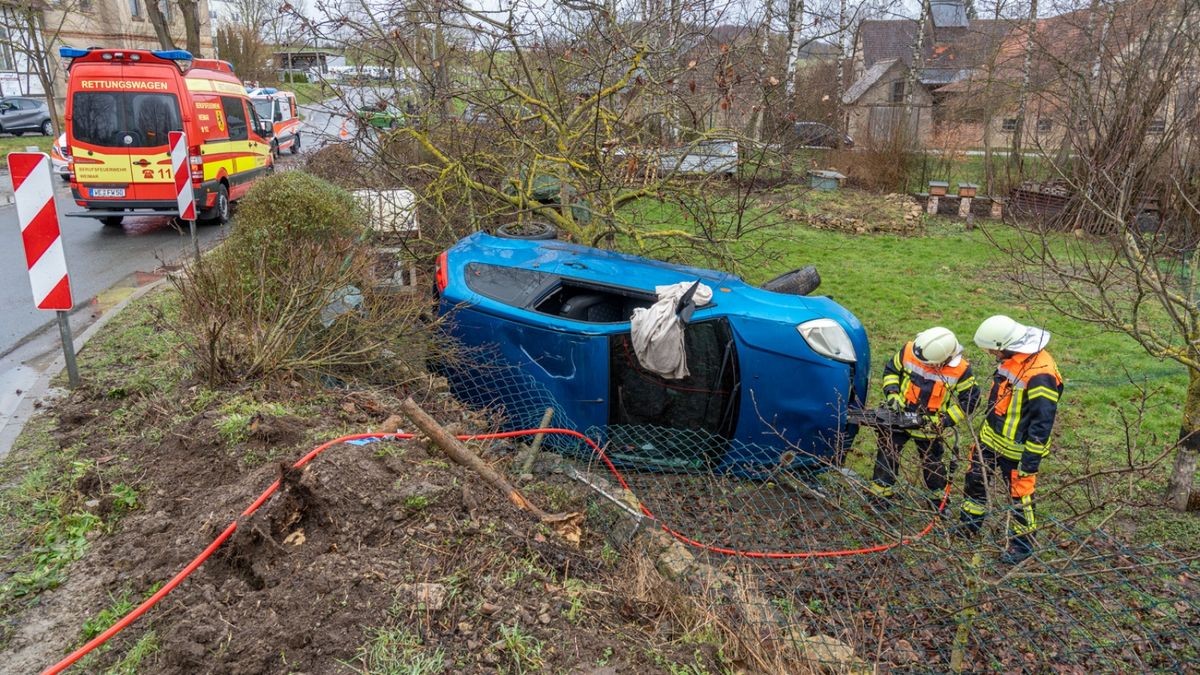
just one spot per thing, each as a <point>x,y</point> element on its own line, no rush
<point>10,143</point>
<point>898,286</point>
<point>307,93</point>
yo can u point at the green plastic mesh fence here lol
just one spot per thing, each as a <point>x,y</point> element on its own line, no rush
<point>806,564</point>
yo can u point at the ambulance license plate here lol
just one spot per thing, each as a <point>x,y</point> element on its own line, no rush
<point>108,192</point>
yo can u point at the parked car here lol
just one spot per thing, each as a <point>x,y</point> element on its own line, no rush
<point>60,157</point>
<point>817,135</point>
<point>716,157</point>
<point>772,372</point>
<point>19,114</point>
<point>382,115</point>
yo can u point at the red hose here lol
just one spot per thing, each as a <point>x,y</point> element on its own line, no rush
<point>262,498</point>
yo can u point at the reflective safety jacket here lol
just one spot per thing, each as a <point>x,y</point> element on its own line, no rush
<point>929,390</point>
<point>1021,408</point>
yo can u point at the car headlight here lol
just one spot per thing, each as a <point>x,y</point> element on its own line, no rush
<point>828,338</point>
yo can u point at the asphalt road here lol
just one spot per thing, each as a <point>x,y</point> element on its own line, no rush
<point>97,258</point>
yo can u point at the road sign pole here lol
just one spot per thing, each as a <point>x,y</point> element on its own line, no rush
<point>68,343</point>
<point>33,190</point>
<point>185,197</point>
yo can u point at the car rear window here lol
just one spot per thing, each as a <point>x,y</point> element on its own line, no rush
<point>510,285</point>
<point>124,119</point>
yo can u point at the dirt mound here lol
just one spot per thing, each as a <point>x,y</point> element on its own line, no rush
<point>848,210</point>
<point>374,556</point>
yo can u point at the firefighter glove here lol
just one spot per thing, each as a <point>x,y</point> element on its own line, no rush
<point>894,402</point>
<point>1030,461</point>
<point>1022,484</point>
<point>938,420</point>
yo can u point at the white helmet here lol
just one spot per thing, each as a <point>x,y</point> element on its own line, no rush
<point>936,346</point>
<point>998,332</point>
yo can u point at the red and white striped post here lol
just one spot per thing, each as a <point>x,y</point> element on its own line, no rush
<point>185,198</point>
<point>33,188</point>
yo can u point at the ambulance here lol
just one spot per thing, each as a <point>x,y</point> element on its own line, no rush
<point>121,104</point>
<point>279,107</point>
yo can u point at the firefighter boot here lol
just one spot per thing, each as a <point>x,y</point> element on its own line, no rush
<point>968,526</point>
<point>880,497</point>
<point>934,501</point>
<point>1020,547</point>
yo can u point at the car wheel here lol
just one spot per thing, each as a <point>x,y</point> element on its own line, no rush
<point>112,221</point>
<point>295,149</point>
<point>47,128</point>
<point>219,213</point>
<point>797,282</point>
<point>535,230</point>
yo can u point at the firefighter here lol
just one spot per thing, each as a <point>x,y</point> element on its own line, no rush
<point>1015,435</point>
<point>930,376</point>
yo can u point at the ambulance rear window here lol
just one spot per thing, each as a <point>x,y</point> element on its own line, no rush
<point>124,119</point>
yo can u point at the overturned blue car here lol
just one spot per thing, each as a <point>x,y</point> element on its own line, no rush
<point>544,323</point>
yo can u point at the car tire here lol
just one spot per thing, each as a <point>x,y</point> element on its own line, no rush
<point>112,221</point>
<point>295,149</point>
<point>219,213</point>
<point>47,128</point>
<point>797,282</point>
<point>536,230</point>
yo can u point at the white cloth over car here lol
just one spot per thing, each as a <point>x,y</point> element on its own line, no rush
<point>658,333</point>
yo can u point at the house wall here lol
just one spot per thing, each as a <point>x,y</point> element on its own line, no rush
<point>875,105</point>
<point>99,23</point>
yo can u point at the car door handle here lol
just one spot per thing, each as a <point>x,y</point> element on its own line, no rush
<point>142,162</point>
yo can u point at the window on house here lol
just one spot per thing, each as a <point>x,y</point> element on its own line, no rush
<point>1009,124</point>
<point>164,6</point>
<point>898,91</point>
<point>135,8</point>
<point>85,5</point>
<point>6,53</point>
<point>1158,125</point>
<point>1044,125</point>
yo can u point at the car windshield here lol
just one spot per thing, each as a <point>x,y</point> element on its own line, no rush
<point>124,119</point>
<point>264,108</point>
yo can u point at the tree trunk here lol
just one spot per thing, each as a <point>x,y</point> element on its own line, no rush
<point>191,25</point>
<point>795,21</point>
<point>754,126</point>
<point>1179,489</point>
<point>840,107</point>
<point>36,22</point>
<point>1015,158</point>
<point>161,29</point>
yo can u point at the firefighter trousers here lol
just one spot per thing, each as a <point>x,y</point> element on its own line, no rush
<point>974,507</point>
<point>887,460</point>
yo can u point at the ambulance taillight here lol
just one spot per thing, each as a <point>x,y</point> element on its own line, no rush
<point>196,162</point>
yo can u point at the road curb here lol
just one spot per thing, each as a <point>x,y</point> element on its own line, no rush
<point>41,392</point>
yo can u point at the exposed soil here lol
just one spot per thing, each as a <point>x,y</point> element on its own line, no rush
<point>379,535</point>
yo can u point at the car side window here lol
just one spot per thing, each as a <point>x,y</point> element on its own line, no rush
<point>235,117</point>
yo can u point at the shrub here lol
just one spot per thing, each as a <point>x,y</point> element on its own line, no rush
<point>265,301</point>
<point>884,165</point>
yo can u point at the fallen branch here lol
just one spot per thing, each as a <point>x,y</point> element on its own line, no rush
<point>464,457</point>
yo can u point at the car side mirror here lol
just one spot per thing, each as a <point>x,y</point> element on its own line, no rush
<point>278,115</point>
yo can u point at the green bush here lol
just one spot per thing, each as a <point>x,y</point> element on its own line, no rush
<point>294,207</point>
